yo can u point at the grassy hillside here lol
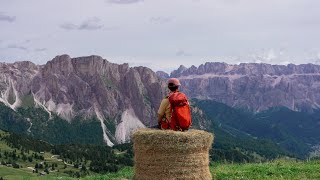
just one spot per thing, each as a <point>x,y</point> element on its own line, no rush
<point>233,145</point>
<point>35,122</point>
<point>25,161</point>
<point>22,156</point>
<point>294,131</point>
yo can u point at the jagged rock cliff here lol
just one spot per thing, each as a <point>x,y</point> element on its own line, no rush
<point>254,86</point>
<point>162,74</point>
<point>86,86</point>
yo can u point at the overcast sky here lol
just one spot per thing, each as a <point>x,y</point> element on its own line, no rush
<point>162,34</point>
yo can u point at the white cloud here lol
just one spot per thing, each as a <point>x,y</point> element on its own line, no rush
<point>20,47</point>
<point>123,1</point>
<point>4,17</point>
<point>40,49</point>
<point>183,53</point>
<point>160,20</point>
<point>89,24</point>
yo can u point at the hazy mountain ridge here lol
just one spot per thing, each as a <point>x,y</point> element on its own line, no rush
<point>246,69</point>
<point>253,86</point>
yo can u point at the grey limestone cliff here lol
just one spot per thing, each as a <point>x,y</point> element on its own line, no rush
<point>254,86</point>
<point>86,86</point>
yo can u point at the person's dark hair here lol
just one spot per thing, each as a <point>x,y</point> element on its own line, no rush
<point>172,87</point>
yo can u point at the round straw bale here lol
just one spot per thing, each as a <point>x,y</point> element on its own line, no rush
<point>166,154</point>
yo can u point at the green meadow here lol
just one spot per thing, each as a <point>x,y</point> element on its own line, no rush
<point>278,169</point>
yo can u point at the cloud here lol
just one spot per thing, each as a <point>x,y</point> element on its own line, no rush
<point>20,47</point>
<point>160,20</point>
<point>24,46</point>
<point>26,41</point>
<point>313,56</point>
<point>317,59</point>
<point>265,56</point>
<point>123,1</point>
<point>182,53</point>
<point>40,49</point>
<point>89,24</point>
<point>7,18</point>
<point>69,26</point>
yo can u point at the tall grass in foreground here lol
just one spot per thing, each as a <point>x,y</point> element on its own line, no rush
<point>126,173</point>
<point>278,169</point>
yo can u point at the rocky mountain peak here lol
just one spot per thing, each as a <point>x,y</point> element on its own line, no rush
<point>25,65</point>
<point>58,65</point>
<point>88,86</point>
<point>180,70</point>
<point>89,65</point>
<point>162,74</point>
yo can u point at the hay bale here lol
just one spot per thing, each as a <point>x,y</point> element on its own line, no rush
<point>166,154</point>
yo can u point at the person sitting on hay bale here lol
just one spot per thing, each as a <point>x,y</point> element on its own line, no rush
<point>174,111</point>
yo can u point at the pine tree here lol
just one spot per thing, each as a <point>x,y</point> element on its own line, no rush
<point>83,168</point>
<point>30,159</point>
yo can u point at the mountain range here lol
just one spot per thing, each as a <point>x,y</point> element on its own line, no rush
<point>253,86</point>
<point>91,100</point>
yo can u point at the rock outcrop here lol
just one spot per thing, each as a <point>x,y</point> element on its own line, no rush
<point>254,86</point>
<point>88,87</point>
<point>162,74</point>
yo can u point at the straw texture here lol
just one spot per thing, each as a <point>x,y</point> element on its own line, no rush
<point>168,155</point>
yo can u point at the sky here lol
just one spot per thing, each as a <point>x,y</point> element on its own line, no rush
<point>162,34</point>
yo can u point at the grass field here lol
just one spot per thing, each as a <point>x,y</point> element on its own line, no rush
<point>10,173</point>
<point>278,169</point>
